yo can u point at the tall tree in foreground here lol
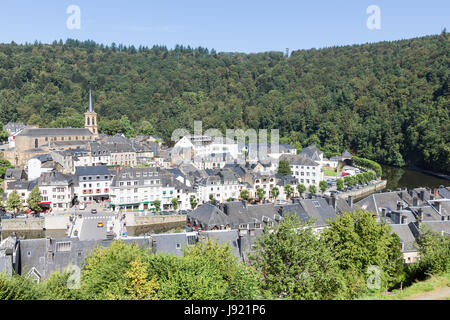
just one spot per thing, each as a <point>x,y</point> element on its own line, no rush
<point>359,242</point>
<point>296,264</point>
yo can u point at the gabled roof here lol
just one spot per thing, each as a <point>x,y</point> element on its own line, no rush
<point>406,236</point>
<point>298,159</point>
<point>92,171</point>
<point>311,152</point>
<point>51,132</point>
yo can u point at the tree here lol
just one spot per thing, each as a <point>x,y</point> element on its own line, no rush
<point>288,191</point>
<point>260,192</point>
<point>312,189</point>
<point>295,263</point>
<point>339,184</point>
<point>106,272</point>
<point>174,204</point>
<point>301,189</point>
<point>140,287</point>
<point>358,242</point>
<point>193,202</point>
<point>244,195</point>
<point>34,199</point>
<point>157,204</point>
<point>284,168</point>
<point>434,250</point>
<point>275,192</point>
<point>323,185</point>
<point>4,165</point>
<point>14,203</point>
<point>212,200</point>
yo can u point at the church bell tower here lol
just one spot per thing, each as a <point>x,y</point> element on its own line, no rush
<point>90,118</point>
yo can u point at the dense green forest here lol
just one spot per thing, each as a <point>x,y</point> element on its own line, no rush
<point>387,101</point>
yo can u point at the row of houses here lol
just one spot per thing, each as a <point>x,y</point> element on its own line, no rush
<point>238,224</point>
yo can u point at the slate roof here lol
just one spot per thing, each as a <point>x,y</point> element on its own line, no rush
<point>54,179</point>
<point>406,236</point>
<point>439,226</point>
<point>229,237</point>
<point>15,174</point>
<point>51,132</point>
<point>91,171</point>
<point>170,243</point>
<point>311,152</point>
<point>298,159</point>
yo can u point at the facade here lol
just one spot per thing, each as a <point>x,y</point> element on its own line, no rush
<point>136,189</point>
<point>222,185</point>
<point>93,183</point>
<point>305,170</point>
<point>57,190</point>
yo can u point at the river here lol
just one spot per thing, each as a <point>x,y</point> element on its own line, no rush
<point>407,178</point>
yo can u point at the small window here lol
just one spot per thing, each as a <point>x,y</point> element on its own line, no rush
<point>178,245</point>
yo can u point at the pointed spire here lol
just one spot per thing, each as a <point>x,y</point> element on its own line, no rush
<point>91,107</point>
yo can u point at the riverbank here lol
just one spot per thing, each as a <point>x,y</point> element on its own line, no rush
<point>410,179</point>
<point>363,192</point>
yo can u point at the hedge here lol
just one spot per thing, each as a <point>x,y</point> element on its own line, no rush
<point>366,163</point>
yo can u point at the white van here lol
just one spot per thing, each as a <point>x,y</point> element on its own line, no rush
<point>83,206</point>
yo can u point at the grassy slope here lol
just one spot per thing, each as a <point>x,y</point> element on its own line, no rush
<point>418,288</point>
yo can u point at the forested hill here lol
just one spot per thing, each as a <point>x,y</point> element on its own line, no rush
<point>387,101</point>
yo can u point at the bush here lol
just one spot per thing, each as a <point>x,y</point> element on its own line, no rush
<point>366,163</point>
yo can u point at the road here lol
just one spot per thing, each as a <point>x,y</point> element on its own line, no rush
<point>88,227</point>
<point>437,294</point>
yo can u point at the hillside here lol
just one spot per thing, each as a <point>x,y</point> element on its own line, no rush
<point>387,101</point>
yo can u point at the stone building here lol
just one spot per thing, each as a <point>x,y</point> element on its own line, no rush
<point>31,142</point>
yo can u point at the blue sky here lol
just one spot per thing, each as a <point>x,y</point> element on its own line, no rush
<point>243,26</point>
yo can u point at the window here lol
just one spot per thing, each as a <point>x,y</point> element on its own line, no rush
<point>178,245</point>
<point>191,240</point>
<point>63,246</point>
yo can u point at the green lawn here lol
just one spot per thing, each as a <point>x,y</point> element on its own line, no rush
<point>330,173</point>
<point>415,289</point>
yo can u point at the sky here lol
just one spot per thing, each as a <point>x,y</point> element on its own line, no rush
<point>227,26</point>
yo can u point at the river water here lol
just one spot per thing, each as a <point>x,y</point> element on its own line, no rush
<point>407,178</point>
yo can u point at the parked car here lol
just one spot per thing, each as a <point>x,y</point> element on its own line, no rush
<point>83,206</point>
<point>100,224</point>
<point>94,211</point>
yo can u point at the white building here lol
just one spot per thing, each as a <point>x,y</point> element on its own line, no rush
<point>222,186</point>
<point>306,171</point>
<point>137,189</point>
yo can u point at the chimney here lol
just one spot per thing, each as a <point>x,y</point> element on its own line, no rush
<point>415,201</point>
<point>350,201</point>
<point>333,203</point>
<point>422,195</point>
<point>399,205</point>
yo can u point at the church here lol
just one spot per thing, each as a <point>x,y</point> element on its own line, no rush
<point>32,142</point>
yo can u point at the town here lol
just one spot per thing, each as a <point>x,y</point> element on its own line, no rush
<point>92,189</point>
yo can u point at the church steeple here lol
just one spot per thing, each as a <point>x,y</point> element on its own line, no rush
<point>91,117</point>
<point>91,107</point>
